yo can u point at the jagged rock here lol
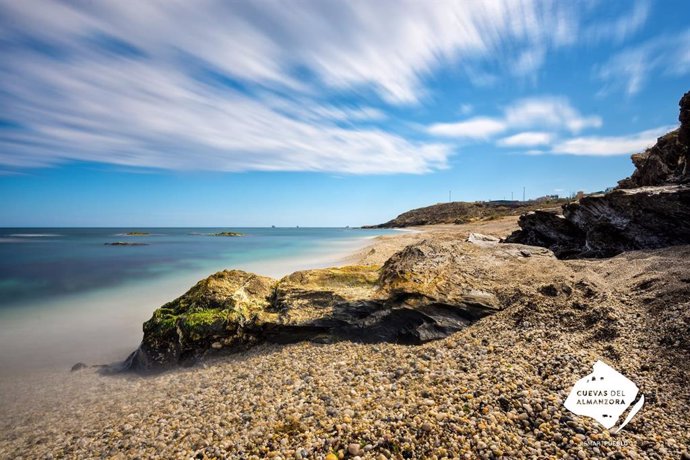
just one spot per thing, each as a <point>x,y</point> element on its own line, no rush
<point>550,230</point>
<point>425,292</point>
<point>667,161</point>
<point>650,209</point>
<point>684,118</point>
<point>608,224</point>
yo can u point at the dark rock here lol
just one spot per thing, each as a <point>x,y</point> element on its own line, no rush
<point>684,118</point>
<point>650,209</point>
<point>667,161</point>
<point>78,367</point>
<point>124,243</point>
<point>549,230</point>
<point>504,403</point>
<point>230,234</point>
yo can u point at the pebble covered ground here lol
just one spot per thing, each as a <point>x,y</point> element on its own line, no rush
<point>494,390</point>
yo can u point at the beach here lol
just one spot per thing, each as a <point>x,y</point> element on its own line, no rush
<point>493,389</point>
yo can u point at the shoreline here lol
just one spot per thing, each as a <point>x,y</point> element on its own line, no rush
<point>105,325</point>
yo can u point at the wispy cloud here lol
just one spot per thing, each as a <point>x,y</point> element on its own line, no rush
<point>526,139</point>
<point>630,69</point>
<point>544,112</point>
<point>238,86</point>
<point>610,145</point>
<point>473,128</point>
<point>620,28</point>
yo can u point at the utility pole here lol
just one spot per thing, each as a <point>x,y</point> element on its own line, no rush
<point>523,193</point>
<point>511,196</point>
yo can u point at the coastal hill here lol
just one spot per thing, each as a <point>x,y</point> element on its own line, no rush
<point>460,212</point>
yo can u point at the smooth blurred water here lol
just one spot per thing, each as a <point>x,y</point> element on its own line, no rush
<point>66,296</point>
<point>44,263</point>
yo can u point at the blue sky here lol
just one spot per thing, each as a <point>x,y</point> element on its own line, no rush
<point>310,113</point>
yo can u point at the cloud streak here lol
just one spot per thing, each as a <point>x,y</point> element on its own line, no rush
<point>244,86</point>
<point>631,68</point>
<point>610,145</point>
<point>537,112</point>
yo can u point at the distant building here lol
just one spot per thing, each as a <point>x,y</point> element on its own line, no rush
<point>544,198</point>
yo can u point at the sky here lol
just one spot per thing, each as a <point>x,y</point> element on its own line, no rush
<point>323,113</point>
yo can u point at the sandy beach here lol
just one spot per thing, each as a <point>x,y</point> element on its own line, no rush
<point>495,389</point>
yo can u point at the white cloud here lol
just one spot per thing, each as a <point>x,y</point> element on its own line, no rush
<point>474,128</point>
<point>610,145</point>
<point>545,112</point>
<point>134,115</point>
<point>549,112</point>
<point>526,139</point>
<point>631,68</point>
<point>620,28</point>
<point>387,44</point>
<point>238,86</point>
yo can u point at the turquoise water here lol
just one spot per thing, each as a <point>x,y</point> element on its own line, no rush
<point>68,296</point>
<point>37,264</point>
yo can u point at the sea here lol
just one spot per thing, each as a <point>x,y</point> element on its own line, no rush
<point>69,295</point>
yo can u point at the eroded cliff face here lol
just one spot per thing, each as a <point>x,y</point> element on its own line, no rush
<point>650,209</point>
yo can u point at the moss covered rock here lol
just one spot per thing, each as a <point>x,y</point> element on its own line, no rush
<point>225,309</point>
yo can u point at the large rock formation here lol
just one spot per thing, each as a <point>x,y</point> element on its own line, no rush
<point>650,209</point>
<point>667,161</point>
<point>425,292</point>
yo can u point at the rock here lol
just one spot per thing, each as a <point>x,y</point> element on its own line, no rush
<point>124,243</point>
<point>549,230</point>
<point>668,161</point>
<point>230,234</point>
<point>483,240</point>
<point>684,118</point>
<point>650,209</point>
<point>78,367</point>
<point>227,304</point>
<point>353,449</point>
<point>424,292</point>
<point>608,224</point>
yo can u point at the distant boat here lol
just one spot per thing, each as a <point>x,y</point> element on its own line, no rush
<point>273,226</point>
